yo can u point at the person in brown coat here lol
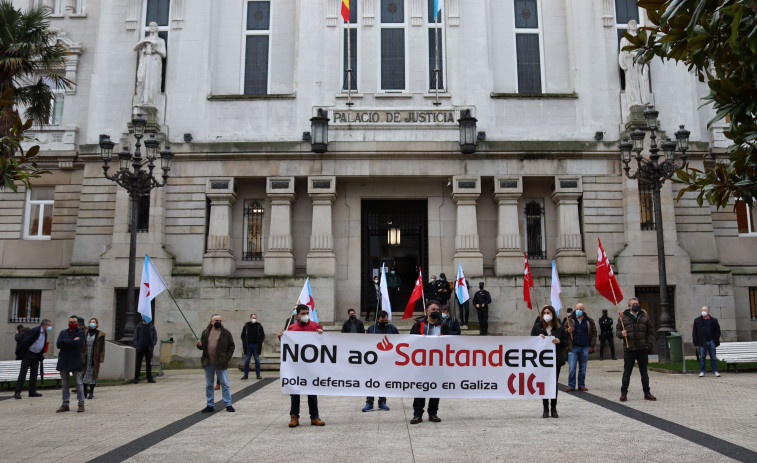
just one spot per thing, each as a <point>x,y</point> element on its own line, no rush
<point>636,329</point>
<point>217,346</point>
<point>93,354</point>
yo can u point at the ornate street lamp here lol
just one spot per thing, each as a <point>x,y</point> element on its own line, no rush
<point>468,133</point>
<point>319,130</point>
<point>654,171</point>
<point>137,181</point>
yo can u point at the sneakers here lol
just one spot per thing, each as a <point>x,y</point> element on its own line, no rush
<point>368,407</point>
<point>382,406</point>
<point>568,389</point>
<point>230,409</point>
<point>416,420</point>
<point>701,374</point>
<point>623,397</point>
<point>208,409</point>
<point>649,396</point>
<point>717,374</point>
<point>434,419</point>
<point>80,409</point>
<point>63,408</point>
<point>294,421</point>
<point>317,422</point>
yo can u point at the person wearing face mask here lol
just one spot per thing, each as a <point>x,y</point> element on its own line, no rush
<point>706,337</point>
<point>430,325</point>
<point>636,328</point>
<point>583,334</point>
<point>252,343</point>
<point>394,283</point>
<point>452,322</point>
<point>304,324</point>
<point>605,335</point>
<point>144,340</point>
<point>217,346</point>
<point>70,342</point>
<point>382,326</point>
<point>352,324</point>
<point>548,325</point>
<point>30,350</point>
<point>481,301</point>
<point>442,290</point>
<point>373,290</point>
<point>93,355</point>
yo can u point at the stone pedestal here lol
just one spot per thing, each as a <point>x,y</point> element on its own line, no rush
<point>569,256</point>
<point>509,258</point>
<point>219,259</point>
<point>278,258</point>
<point>321,260</point>
<point>465,192</point>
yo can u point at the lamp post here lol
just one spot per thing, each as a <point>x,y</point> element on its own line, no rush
<point>655,171</point>
<point>137,182</point>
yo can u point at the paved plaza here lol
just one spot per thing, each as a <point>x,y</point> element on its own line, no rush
<point>695,419</point>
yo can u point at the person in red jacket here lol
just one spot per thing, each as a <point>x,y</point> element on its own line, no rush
<point>304,324</point>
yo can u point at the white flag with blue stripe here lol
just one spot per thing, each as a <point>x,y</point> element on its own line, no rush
<point>152,285</point>
<point>461,286</point>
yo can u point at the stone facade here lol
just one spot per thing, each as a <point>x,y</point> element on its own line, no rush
<point>232,149</point>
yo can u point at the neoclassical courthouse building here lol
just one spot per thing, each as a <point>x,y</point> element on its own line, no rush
<point>468,137</point>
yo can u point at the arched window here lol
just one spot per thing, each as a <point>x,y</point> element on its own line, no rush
<point>253,223</point>
<point>534,218</point>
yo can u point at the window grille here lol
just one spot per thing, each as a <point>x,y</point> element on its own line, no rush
<point>253,219</point>
<point>25,306</point>
<point>534,216</point>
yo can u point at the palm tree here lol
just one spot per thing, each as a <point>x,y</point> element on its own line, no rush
<point>29,64</point>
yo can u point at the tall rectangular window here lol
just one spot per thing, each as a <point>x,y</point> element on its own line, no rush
<point>536,246</point>
<point>646,206</point>
<point>528,46</point>
<point>256,50</point>
<point>753,302</point>
<point>25,306</point>
<point>38,217</point>
<point>159,12</point>
<point>349,53</point>
<point>253,231</point>
<point>745,218</point>
<point>56,105</point>
<point>393,45</point>
<point>435,47</point>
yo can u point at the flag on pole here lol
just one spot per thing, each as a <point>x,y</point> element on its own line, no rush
<point>385,302</point>
<point>528,283</point>
<point>437,7</point>
<point>306,297</point>
<point>605,281</point>
<point>415,296</point>
<point>152,284</point>
<point>556,289</point>
<point>461,286</point>
<point>346,10</point>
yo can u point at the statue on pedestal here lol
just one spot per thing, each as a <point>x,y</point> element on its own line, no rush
<point>151,50</point>
<point>637,82</point>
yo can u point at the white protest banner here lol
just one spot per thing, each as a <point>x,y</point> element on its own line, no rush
<point>403,365</point>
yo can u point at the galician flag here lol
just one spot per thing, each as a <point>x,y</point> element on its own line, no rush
<point>416,295</point>
<point>385,303</point>
<point>556,289</point>
<point>461,286</point>
<point>152,284</point>
<point>306,297</point>
<point>346,10</point>
<point>605,281</point>
<point>528,283</point>
<point>437,6</point>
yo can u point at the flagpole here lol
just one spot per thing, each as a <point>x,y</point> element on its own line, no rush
<point>349,63</point>
<point>436,55</point>
<point>620,316</point>
<point>182,314</point>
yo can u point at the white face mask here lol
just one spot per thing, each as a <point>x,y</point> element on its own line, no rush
<point>253,320</point>
<point>548,318</point>
<point>704,314</point>
<point>304,318</point>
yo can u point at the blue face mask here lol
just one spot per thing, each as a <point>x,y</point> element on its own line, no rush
<point>92,325</point>
<point>579,313</point>
<point>49,328</point>
<point>444,315</point>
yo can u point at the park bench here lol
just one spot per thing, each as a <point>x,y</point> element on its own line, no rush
<point>9,370</point>
<point>733,353</point>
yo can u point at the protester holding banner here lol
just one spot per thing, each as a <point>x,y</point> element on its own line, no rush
<point>636,327</point>
<point>452,322</point>
<point>548,325</point>
<point>217,346</point>
<point>481,301</point>
<point>352,324</point>
<point>382,326</point>
<point>304,324</point>
<point>144,340</point>
<point>430,325</point>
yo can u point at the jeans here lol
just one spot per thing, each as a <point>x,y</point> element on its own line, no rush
<point>606,337</point>
<point>223,378</point>
<point>64,380</point>
<point>707,348</point>
<point>252,351</point>
<point>629,357</point>
<point>147,355</point>
<point>580,355</point>
<point>29,363</point>
<point>483,320</point>
<point>312,405</point>
<point>420,402</point>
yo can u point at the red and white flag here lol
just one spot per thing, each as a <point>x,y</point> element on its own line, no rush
<point>415,296</point>
<point>605,281</point>
<point>528,283</point>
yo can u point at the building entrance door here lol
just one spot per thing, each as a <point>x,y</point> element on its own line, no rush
<point>649,301</point>
<point>394,233</point>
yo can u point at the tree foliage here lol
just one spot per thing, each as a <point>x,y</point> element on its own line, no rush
<point>717,39</point>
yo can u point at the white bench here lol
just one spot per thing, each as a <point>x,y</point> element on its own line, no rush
<point>733,353</point>
<point>10,369</point>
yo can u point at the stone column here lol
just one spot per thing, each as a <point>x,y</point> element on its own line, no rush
<point>278,258</point>
<point>218,259</point>
<point>321,259</point>
<point>569,256</point>
<point>465,192</point>
<point>509,258</point>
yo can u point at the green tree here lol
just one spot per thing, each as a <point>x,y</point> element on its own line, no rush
<point>29,63</point>
<point>717,39</point>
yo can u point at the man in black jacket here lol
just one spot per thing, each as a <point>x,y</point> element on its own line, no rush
<point>481,301</point>
<point>145,338</point>
<point>252,344</point>
<point>430,325</point>
<point>70,343</point>
<point>706,337</point>
<point>605,335</point>
<point>352,324</point>
<point>31,352</point>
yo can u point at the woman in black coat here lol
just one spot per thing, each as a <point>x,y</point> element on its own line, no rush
<point>548,325</point>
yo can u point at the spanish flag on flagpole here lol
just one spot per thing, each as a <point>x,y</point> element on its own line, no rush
<point>346,10</point>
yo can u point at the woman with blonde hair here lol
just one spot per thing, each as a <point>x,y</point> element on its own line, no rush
<point>548,325</point>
